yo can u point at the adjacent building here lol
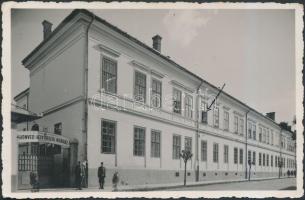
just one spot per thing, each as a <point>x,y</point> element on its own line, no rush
<point>126,104</point>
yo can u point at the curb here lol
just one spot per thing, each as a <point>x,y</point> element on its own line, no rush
<point>195,185</point>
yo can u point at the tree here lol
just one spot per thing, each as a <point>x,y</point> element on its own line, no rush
<point>185,155</point>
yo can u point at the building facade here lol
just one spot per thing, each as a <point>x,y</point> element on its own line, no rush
<point>127,105</point>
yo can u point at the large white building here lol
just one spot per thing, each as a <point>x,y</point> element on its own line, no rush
<point>99,87</point>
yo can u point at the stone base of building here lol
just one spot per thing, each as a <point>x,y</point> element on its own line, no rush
<point>150,176</point>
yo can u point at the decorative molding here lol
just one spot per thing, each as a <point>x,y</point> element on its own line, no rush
<point>238,113</point>
<point>156,73</point>
<point>226,108</point>
<point>140,65</point>
<point>105,49</point>
<point>176,83</point>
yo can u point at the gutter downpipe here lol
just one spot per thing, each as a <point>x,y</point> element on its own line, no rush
<point>197,133</point>
<point>246,161</point>
<point>85,113</point>
<point>281,161</point>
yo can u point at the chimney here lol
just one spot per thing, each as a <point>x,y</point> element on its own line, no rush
<point>47,29</point>
<point>157,42</point>
<point>271,115</point>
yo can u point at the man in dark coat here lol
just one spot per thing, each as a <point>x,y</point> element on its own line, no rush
<point>78,176</point>
<point>101,174</point>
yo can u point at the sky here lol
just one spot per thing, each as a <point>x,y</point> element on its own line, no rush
<point>251,51</point>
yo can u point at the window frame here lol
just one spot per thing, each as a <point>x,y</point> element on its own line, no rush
<point>188,106</point>
<point>204,151</point>
<point>102,86</point>
<point>175,147</point>
<point>226,120</point>
<point>215,152</point>
<point>152,98</point>
<point>179,111</point>
<point>226,154</point>
<point>135,150</point>
<point>135,85</point>
<point>155,154</point>
<point>113,149</point>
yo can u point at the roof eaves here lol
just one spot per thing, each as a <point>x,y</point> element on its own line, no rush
<point>21,94</point>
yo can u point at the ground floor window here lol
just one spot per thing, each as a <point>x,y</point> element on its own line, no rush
<point>139,141</point>
<point>176,146</point>
<point>215,152</point>
<point>241,156</point>
<point>155,143</point>
<point>226,154</point>
<point>235,155</point>
<point>108,136</point>
<point>260,159</point>
<point>204,150</point>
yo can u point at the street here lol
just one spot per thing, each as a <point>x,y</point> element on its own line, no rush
<point>275,184</point>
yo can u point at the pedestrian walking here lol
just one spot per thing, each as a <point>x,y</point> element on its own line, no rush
<point>78,176</point>
<point>83,174</point>
<point>115,181</point>
<point>101,174</point>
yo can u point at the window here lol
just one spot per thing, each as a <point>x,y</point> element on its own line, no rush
<point>226,154</point>
<point>177,101</point>
<point>176,146</point>
<point>139,141</point>
<point>249,130</point>
<point>268,136</point>
<point>58,128</point>
<point>241,126</point>
<point>204,113</point>
<point>254,131</point>
<point>272,137</point>
<point>188,144</point>
<point>226,120</point>
<point>215,152</point>
<point>204,150</point>
<point>260,134</point>
<point>235,155</point>
<point>275,161</point>
<point>156,93</point>
<point>260,159</point>
<point>264,135</point>
<point>108,136</point>
<point>267,160</point>
<point>109,75</point>
<point>216,116</point>
<point>271,161</point>
<point>263,159</point>
<point>249,156</point>
<point>188,106</point>
<point>241,156</point>
<point>235,124</point>
<point>254,158</point>
<point>155,143</point>
<point>140,87</point>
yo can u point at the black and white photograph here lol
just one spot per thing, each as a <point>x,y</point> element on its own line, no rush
<point>152,100</point>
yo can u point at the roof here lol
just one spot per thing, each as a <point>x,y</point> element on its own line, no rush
<point>114,28</point>
<point>24,92</point>
<point>19,114</point>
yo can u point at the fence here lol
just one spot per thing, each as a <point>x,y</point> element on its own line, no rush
<point>28,162</point>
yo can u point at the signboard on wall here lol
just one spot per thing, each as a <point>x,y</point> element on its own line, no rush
<point>42,137</point>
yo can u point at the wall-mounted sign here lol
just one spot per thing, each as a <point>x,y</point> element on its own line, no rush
<point>42,137</point>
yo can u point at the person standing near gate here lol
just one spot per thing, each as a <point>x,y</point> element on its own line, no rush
<point>101,174</point>
<point>78,176</point>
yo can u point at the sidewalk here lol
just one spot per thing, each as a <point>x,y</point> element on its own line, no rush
<point>153,187</point>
